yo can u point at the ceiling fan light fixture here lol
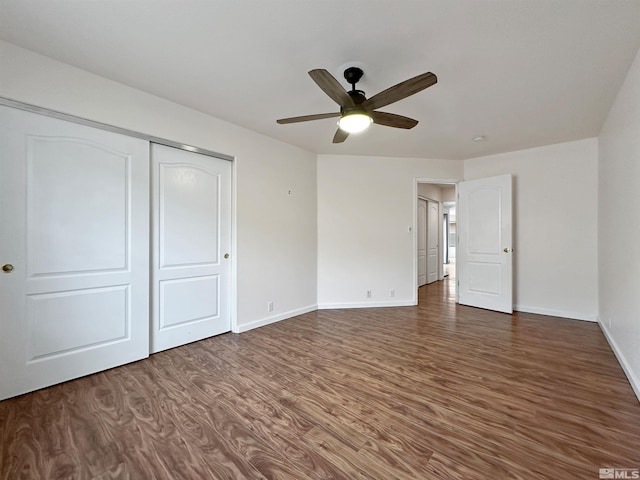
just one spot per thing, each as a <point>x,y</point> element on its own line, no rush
<point>357,112</point>
<point>355,122</point>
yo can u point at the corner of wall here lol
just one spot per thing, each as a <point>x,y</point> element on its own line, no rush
<point>634,380</point>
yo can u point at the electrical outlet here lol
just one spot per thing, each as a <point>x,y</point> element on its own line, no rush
<point>368,293</point>
<point>392,293</point>
<point>270,307</point>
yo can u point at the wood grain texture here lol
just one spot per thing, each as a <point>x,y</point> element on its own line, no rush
<point>437,391</point>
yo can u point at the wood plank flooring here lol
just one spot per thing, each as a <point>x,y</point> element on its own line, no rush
<point>438,391</point>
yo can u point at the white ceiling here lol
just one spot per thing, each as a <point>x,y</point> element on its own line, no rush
<point>523,73</point>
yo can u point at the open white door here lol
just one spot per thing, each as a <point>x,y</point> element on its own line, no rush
<point>74,210</point>
<point>191,236</point>
<point>484,254</point>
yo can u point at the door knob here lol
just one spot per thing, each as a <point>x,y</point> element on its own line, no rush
<point>7,268</point>
<point>226,255</point>
<point>505,250</point>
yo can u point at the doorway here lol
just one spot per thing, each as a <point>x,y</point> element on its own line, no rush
<point>436,200</point>
<point>482,240</point>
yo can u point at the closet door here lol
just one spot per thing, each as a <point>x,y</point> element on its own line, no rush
<point>422,242</point>
<point>433,223</point>
<point>74,206</point>
<point>191,232</point>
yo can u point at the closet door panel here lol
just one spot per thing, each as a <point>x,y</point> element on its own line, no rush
<point>74,203</point>
<point>191,238</point>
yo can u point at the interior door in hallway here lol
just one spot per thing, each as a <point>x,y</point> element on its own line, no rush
<point>74,245</point>
<point>422,242</point>
<point>433,221</point>
<point>191,241</point>
<point>484,253</point>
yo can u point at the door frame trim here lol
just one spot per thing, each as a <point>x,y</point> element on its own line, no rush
<point>7,102</point>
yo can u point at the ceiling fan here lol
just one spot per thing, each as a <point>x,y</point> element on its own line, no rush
<point>357,112</point>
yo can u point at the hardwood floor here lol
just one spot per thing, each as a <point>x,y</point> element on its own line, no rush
<point>437,391</point>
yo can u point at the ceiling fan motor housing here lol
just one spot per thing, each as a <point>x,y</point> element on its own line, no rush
<point>357,96</point>
<point>351,110</point>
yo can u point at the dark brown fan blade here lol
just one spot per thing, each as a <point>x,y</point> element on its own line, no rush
<point>400,91</point>
<point>331,87</point>
<point>340,136</point>
<point>393,120</point>
<point>306,118</point>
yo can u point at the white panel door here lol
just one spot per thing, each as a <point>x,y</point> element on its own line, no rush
<point>484,252</point>
<point>422,242</point>
<point>433,222</point>
<point>191,236</point>
<point>74,210</point>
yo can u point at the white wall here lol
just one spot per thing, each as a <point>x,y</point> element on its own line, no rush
<point>276,231</point>
<point>555,225</point>
<point>365,207</point>
<point>448,193</point>
<point>430,191</point>
<point>619,225</point>
<point>442,193</point>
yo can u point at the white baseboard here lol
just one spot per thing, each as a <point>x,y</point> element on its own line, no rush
<point>556,313</point>
<point>396,303</point>
<point>631,376</point>
<point>275,318</point>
